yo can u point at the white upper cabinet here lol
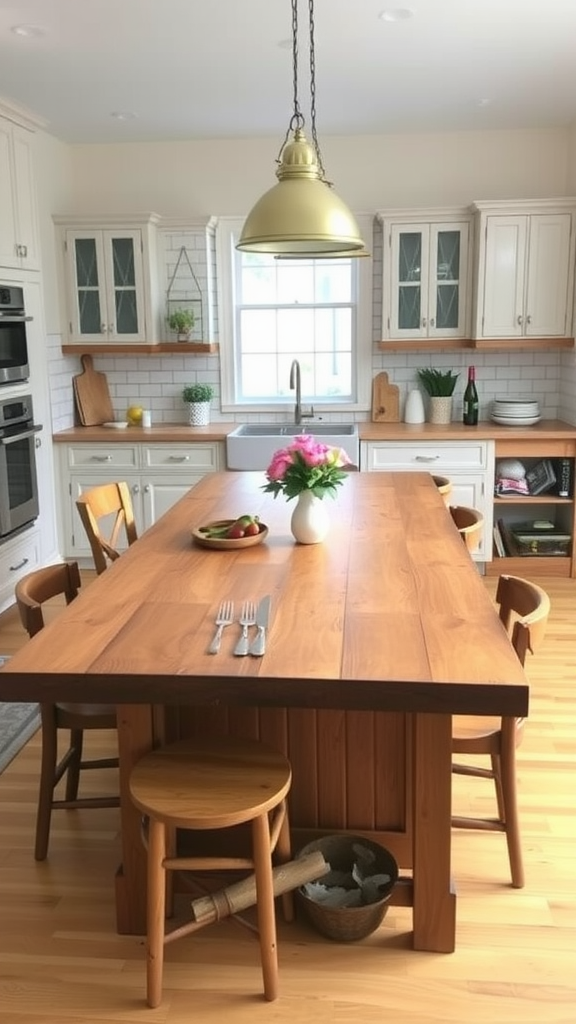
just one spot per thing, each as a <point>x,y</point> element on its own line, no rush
<point>426,262</point>
<point>18,219</point>
<point>525,269</point>
<point>111,280</point>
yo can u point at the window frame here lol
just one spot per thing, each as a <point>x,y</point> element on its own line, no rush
<point>227,231</point>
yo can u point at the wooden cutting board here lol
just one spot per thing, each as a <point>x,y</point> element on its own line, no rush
<point>92,396</point>
<point>385,400</point>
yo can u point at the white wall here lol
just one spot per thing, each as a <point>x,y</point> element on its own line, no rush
<point>201,178</point>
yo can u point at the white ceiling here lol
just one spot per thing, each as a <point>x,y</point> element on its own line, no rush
<point>222,68</point>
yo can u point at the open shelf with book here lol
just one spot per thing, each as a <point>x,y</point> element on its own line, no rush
<point>534,508</point>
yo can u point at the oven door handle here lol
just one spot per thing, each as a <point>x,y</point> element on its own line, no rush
<point>22,436</point>
<point>9,318</point>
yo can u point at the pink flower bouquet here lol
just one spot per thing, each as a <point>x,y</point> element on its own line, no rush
<point>306,465</point>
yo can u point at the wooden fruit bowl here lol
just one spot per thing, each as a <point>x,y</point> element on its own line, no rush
<point>227,543</point>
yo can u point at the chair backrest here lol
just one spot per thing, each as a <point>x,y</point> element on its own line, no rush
<point>444,485</point>
<point>39,586</point>
<point>109,500</point>
<point>469,523</point>
<point>524,610</point>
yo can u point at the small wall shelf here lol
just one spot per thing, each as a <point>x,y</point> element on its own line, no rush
<point>483,344</point>
<point>183,348</point>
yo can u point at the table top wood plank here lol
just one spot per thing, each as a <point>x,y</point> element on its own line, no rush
<point>388,613</point>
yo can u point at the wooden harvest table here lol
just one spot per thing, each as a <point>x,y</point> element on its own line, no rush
<point>377,636</point>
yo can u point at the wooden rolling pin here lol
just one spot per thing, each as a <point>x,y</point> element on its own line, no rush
<point>242,894</point>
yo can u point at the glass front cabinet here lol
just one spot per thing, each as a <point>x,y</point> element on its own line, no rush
<point>108,281</point>
<point>426,269</point>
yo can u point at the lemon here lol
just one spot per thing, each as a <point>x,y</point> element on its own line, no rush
<point>134,415</point>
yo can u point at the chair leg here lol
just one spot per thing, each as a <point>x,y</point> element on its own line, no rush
<point>511,819</point>
<point>73,770</point>
<point>284,854</point>
<point>47,775</point>
<point>497,774</point>
<point>156,910</point>
<point>265,905</point>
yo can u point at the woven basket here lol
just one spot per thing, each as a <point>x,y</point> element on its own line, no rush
<point>348,924</point>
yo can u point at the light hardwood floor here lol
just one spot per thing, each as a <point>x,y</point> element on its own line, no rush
<point>62,961</point>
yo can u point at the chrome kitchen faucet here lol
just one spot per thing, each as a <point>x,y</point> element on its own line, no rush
<point>295,383</point>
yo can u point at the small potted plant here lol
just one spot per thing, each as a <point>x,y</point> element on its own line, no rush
<point>198,397</point>
<point>181,321</point>
<point>439,385</point>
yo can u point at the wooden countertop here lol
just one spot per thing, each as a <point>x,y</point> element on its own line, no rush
<point>389,613</point>
<point>182,433</point>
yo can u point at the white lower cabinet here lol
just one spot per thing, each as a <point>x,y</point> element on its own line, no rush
<point>18,557</point>
<point>469,466</point>
<point>158,475</point>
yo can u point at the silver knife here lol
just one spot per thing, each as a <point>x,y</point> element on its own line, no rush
<point>258,645</point>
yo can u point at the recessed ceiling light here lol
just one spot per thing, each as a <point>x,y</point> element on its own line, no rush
<point>123,115</point>
<point>397,14</point>
<point>28,31</point>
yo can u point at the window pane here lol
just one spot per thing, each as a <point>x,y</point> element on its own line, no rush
<point>123,262</point>
<point>448,255</point>
<point>295,282</point>
<point>259,376</point>
<point>409,308</point>
<point>89,312</point>
<point>447,305</point>
<point>258,330</point>
<point>86,266</point>
<point>126,312</point>
<point>333,375</point>
<point>295,330</point>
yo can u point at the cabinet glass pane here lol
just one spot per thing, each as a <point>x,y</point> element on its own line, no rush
<point>86,265</point>
<point>410,257</point>
<point>448,256</point>
<point>87,288</point>
<point>123,260</point>
<point>124,286</point>
<point>448,274</point>
<point>446,306</point>
<point>409,302</point>
<point>126,312</point>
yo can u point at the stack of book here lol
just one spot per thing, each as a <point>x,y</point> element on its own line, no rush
<point>534,538</point>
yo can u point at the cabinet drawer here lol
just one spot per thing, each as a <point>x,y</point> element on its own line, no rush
<point>435,456</point>
<point>18,557</point>
<point>205,458</point>
<point>95,456</point>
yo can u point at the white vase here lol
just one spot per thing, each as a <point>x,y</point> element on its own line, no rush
<point>414,411</point>
<point>199,414</point>
<point>310,521</point>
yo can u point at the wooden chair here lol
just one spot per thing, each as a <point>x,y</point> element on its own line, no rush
<point>444,485</point>
<point>212,783</point>
<point>108,500</point>
<point>31,592</point>
<point>524,610</point>
<point>469,522</point>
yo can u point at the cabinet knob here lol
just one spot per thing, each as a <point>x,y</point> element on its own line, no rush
<point>528,319</point>
<point>147,489</point>
<point>102,328</point>
<point>519,319</point>
<point>433,322</point>
<point>424,321</point>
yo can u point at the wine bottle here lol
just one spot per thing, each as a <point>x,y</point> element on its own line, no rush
<point>470,417</point>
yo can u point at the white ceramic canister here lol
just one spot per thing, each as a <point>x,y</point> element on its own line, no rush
<point>414,411</point>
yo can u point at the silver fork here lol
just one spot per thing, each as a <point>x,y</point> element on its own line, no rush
<point>247,618</point>
<point>224,617</point>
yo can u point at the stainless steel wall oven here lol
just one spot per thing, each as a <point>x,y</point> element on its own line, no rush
<point>18,478</point>
<point>13,341</point>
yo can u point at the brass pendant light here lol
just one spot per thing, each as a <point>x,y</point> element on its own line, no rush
<point>301,215</point>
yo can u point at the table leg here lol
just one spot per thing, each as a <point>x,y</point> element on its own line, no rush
<point>434,912</point>
<point>135,738</point>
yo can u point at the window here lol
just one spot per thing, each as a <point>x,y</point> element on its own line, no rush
<point>275,310</point>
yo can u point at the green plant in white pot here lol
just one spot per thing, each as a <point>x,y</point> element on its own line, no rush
<point>439,385</point>
<point>198,397</point>
<point>181,321</point>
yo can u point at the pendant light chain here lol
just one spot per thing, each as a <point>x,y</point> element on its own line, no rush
<point>313,94</point>
<point>297,119</point>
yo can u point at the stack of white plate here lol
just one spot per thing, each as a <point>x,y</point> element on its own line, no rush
<point>516,412</point>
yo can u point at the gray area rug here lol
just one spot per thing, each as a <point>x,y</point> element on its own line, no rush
<point>18,722</point>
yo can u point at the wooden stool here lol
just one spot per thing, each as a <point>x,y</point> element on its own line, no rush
<point>212,783</point>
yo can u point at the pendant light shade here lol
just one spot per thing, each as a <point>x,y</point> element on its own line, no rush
<point>301,215</point>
